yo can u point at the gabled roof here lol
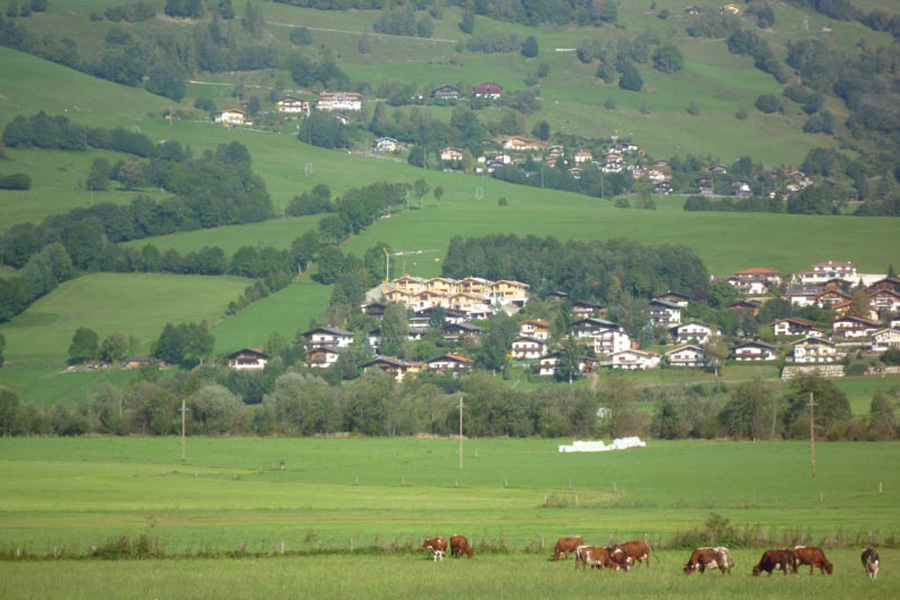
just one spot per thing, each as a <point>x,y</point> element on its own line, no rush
<point>799,322</point>
<point>587,304</point>
<point>680,325</point>
<point>693,347</point>
<point>857,320</point>
<point>666,304</point>
<point>389,360</point>
<point>254,351</point>
<point>814,341</point>
<point>756,343</point>
<point>332,330</point>
<point>464,326</point>
<point>598,322</point>
<point>523,338</point>
<point>535,322</point>
<point>452,358</point>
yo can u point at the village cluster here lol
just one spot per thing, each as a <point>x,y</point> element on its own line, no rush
<point>625,556</point>
<point>619,157</point>
<point>462,302</point>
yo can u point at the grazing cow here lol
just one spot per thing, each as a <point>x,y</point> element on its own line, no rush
<point>459,545</point>
<point>812,556</point>
<point>871,562</point>
<point>565,545</point>
<point>782,558</point>
<point>592,556</point>
<point>618,557</point>
<point>709,558</point>
<point>438,545</point>
<point>636,551</point>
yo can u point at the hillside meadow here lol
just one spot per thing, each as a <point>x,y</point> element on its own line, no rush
<point>132,304</point>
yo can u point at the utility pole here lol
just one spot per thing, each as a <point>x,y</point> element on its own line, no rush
<point>183,410</point>
<point>460,431</point>
<point>812,433</point>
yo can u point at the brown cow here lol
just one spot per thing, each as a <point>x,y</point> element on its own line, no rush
<point>812,556</point>
<point>781,558</point>
<point>870,562</point>
<point>709,558</point>
<point>636,551</point>
<point>565,545</point>
<point>459,545</point>
<point>438,545</point>
<point>601,558</point>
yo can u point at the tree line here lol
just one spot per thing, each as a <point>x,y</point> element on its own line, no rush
<point>592,270</point>
<point>300,403</point>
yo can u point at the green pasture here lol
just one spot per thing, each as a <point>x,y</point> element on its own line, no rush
<point>278,233</point>
<point>57,184</point>
<point>286,312</point>
<point>131,304</point>
<point>401,577</point>
<point>725,241</point>
<point>74,493</point>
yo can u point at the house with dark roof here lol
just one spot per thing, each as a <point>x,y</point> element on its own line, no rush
<point>445,92</point>
<point>664,313</point>
<point>328,336</point>
<point>247,359</point>
<point>754,351</point>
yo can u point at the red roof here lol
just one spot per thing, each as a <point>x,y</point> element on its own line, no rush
<point>758,270</point>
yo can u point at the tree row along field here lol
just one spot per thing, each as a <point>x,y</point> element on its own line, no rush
<point>375,577</point>
<point>316,494</point>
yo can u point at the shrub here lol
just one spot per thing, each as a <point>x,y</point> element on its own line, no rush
<point>767,103</point>
<point>16,181</point>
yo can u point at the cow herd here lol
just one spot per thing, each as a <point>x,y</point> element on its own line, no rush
<point>627,555</point>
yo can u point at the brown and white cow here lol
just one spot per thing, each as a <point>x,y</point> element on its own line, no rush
<point>780,558</point>
<point>812,556</point>
<point>601,558</point>
<point>438,545</point>
<point>871,562</point>
<point>566,545</point>
<point>636,551</point>
<point>709,558</point>
<point>459,545</point>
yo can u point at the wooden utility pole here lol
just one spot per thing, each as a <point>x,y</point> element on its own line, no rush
<point>184,409</point>
<point>460,432</point>
<point>812,433</point>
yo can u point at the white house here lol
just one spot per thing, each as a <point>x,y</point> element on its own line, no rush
<point>814,350</point>
<point>826,271</point>
<point>583,156</point>
<point>783,327</point>
<point>753,351</point>
<point>386,144</point>
<point>535,328</point>
<point>248,359</point>
<point>328,336</point>
<point>850,327</point>
<point>664,313</point>
<point>688,355</point>
<point>292,106</point>
<point>451,154</point>
<point>323,357</point>
<point>693,331</point>
<point>525,348</point>
<point>635,360</point>
<point>339,101</point>
<point>610,341</point>
<point>232,116</point>
<point>884,339</point>
<point>450,363</point>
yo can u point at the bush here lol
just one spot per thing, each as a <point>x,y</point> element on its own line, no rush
<point>16,181</point>
<point>631,80</point>
<point>767,103</point>
<point>891,356</point>
<point>301,36</point>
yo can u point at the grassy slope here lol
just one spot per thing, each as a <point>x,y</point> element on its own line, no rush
<point>277,232</point>
<point>285,312</point>
<point>132,304</point>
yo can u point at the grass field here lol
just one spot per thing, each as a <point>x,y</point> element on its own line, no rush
<point>277,232</point>
<point>376,577</point>
<point>74,493</point>
<point>131,304</point>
